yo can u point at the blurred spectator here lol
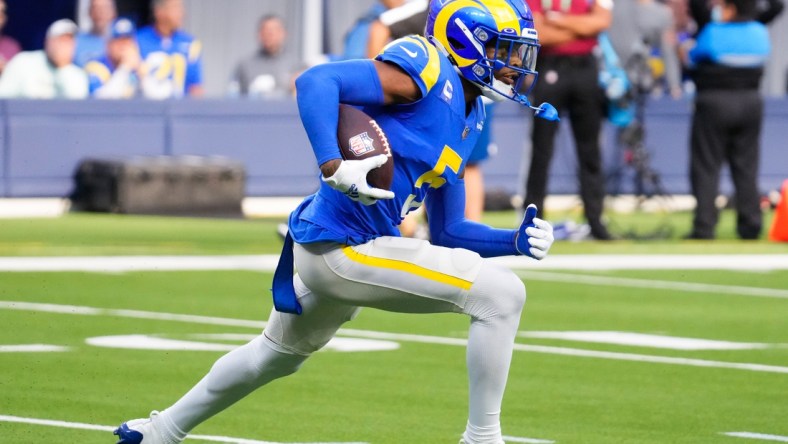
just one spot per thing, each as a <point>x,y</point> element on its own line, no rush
<point>357,38</point>
<point>727,65</point>
<point>271,70</point>
<point>568,78</point>
<point>173,58</point>
<point>409,18</point>
<point>639,29</point>
<point>91,45</point>
<point>8,46</point>
<point>117,73</point>
<point>703,11</point>
<point>47,73</point>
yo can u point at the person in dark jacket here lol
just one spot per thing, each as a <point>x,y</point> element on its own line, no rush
<point>727,64</point>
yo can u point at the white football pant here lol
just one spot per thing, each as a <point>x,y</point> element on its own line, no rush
<point>390,273</point>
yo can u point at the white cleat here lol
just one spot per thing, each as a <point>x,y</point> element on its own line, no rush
<point>139,431</point>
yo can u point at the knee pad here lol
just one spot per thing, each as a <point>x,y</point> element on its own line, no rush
<point>497,292</point>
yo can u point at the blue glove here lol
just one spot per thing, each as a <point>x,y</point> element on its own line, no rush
<point>535,236</point>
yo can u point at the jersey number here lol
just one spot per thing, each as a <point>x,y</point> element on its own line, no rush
<point>448,159</point>
<point>169,66</point>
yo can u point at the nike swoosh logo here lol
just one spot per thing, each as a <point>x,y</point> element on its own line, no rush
<point>413,54</point>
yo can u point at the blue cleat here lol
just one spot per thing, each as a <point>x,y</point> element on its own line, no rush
<point>127,435</point>
<point>139,431</point>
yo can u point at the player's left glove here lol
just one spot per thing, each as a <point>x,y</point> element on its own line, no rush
<point>535,236</point>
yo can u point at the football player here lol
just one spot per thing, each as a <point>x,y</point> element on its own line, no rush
<point>425,93</point>
<point>173,58</point>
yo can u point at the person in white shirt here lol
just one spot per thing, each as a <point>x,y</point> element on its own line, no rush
<point>49,73</point>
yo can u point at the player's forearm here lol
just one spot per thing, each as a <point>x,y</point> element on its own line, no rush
<point>449,228</point>
<point>474,236</point>
<point>587,25</point>
<point>320,90</point>
<point>550,35</point>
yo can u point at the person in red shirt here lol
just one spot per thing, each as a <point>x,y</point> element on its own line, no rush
<point>568,77</point>
<point>8,46</point>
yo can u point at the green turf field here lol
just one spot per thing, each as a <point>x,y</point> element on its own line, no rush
<point>629,389</point>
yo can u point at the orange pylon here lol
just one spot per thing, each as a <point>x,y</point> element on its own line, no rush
<point>779,230</point>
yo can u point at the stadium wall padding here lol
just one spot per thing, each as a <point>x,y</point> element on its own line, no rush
<point>43,141</point>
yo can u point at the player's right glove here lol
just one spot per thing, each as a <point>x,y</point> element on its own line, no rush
<point>535,236</point>
<point>351,180</point>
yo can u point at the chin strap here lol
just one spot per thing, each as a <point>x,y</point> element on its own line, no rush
<point>544,111</point>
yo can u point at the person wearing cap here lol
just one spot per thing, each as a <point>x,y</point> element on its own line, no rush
<point>92,44</point>
<point>48,73</point>
<point>117,73</point>
<point>173,57</point>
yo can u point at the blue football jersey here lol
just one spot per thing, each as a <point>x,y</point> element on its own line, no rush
<point>176,59</point>
<point>89,47</point>
<point>431,140</point>
<point>100,71</point>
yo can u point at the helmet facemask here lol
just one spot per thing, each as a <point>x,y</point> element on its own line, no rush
<point>513,58</point>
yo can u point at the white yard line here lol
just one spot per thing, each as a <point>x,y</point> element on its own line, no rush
<point>103,428</point>
<point>527,440</point>
<point>761,436</point>
<point>118,264</point>
<point>736,262</point>
<point>733,262</point>
<point>524,267</point>
<point>92,311</point>
<point>654,284</point>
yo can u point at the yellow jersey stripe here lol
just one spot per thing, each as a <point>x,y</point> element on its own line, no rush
<point>99,70</point>
<point>429,75</point>
<point>195,49</point>
<point>393,264</point>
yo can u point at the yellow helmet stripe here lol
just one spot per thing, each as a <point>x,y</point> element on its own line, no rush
<point>441,22</point>
<point>504,15</point>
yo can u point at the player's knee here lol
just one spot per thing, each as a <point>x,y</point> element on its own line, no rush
<point>514,293</point>
<point>272,362</point>
<point>497,292</point>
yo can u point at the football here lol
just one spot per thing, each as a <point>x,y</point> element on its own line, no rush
<point>361,137</point>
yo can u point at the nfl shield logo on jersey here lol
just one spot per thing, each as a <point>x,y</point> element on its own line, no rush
<point>361,144</point>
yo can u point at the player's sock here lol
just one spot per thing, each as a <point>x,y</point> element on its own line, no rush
<point>232,377</point>
<point>167,429</point>
<point>495,305</point>
<point>482,435</point>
